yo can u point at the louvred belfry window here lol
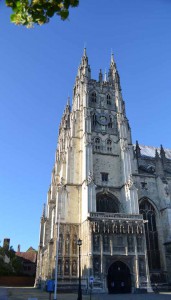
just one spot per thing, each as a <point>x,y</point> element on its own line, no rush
<point>109,145</point>
<point>108,99</point>
<point>93,97</point>
<point>110,124</point>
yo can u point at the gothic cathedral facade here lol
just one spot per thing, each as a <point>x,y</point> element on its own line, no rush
<point>113,195</point>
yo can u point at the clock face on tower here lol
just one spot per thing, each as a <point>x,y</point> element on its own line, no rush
<point>103,119</point>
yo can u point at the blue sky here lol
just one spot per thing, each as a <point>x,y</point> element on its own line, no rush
<point>37,72</point>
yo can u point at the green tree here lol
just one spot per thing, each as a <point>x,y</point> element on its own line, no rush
<point>14,266</point>
<point>29,12</point>
<point>17,265</point>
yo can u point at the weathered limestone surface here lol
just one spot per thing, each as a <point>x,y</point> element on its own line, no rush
<point>112,194</point>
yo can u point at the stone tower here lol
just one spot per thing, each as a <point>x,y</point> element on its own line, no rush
<point>94,191</point>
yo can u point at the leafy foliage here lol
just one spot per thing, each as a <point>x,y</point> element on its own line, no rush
<point>29,12</point>
<point>14,266</point>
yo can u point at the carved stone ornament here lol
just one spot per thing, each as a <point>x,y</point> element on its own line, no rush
<point>124,145</point>
<point>121,119</point>
<point>130,183</point>
<point>61,184</point>
<point>90,178</point>
<point>63,156</point>
<point>88,140</point>
<point>147,168</point>
<point>87,114</point>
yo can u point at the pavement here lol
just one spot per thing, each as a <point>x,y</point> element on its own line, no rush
<point>11,293</point>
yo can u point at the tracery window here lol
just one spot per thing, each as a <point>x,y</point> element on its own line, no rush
<point>149,214</point>
<point>106,203</point>
<point>97,143</point>
<point>93,97</point>
<point>109,145</point>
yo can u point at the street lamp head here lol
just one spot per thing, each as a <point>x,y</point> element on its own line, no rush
<point>79,242</point>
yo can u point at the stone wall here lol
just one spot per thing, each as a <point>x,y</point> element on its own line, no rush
<point>16,281</point>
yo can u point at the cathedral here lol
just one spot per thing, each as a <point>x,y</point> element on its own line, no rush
<point>113,195</point>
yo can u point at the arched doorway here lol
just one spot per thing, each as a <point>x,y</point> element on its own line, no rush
<point>119,278</point>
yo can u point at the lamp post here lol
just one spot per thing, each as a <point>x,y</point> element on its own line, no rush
<point>79,243</point>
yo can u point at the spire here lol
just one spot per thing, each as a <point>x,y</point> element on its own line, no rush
<point>112,62</point>
<point>44,209</point>
<point>84,68</point>
<point>84,52</point>
<point>100,76</point>
<point>84,61</point>
<point>117,80</point>
<point>113,73</point>
<point>68,101</point>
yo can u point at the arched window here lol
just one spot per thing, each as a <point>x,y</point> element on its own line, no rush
<point>97,143</point>
<point>109,145</point>
<point>108,99</point>
<point>149,214</point>
<point>106,203</point>
<point>93,97</point>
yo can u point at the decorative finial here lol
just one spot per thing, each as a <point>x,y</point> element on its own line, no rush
<point>162,152</point>
<point>100,76</point>
<point>156,154</point>
<point>68,101</point>
<point>85,53</point>
<point>112,61</point>
<point>44,207</point>
<point>138,149</point>
<point>105,76</point>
